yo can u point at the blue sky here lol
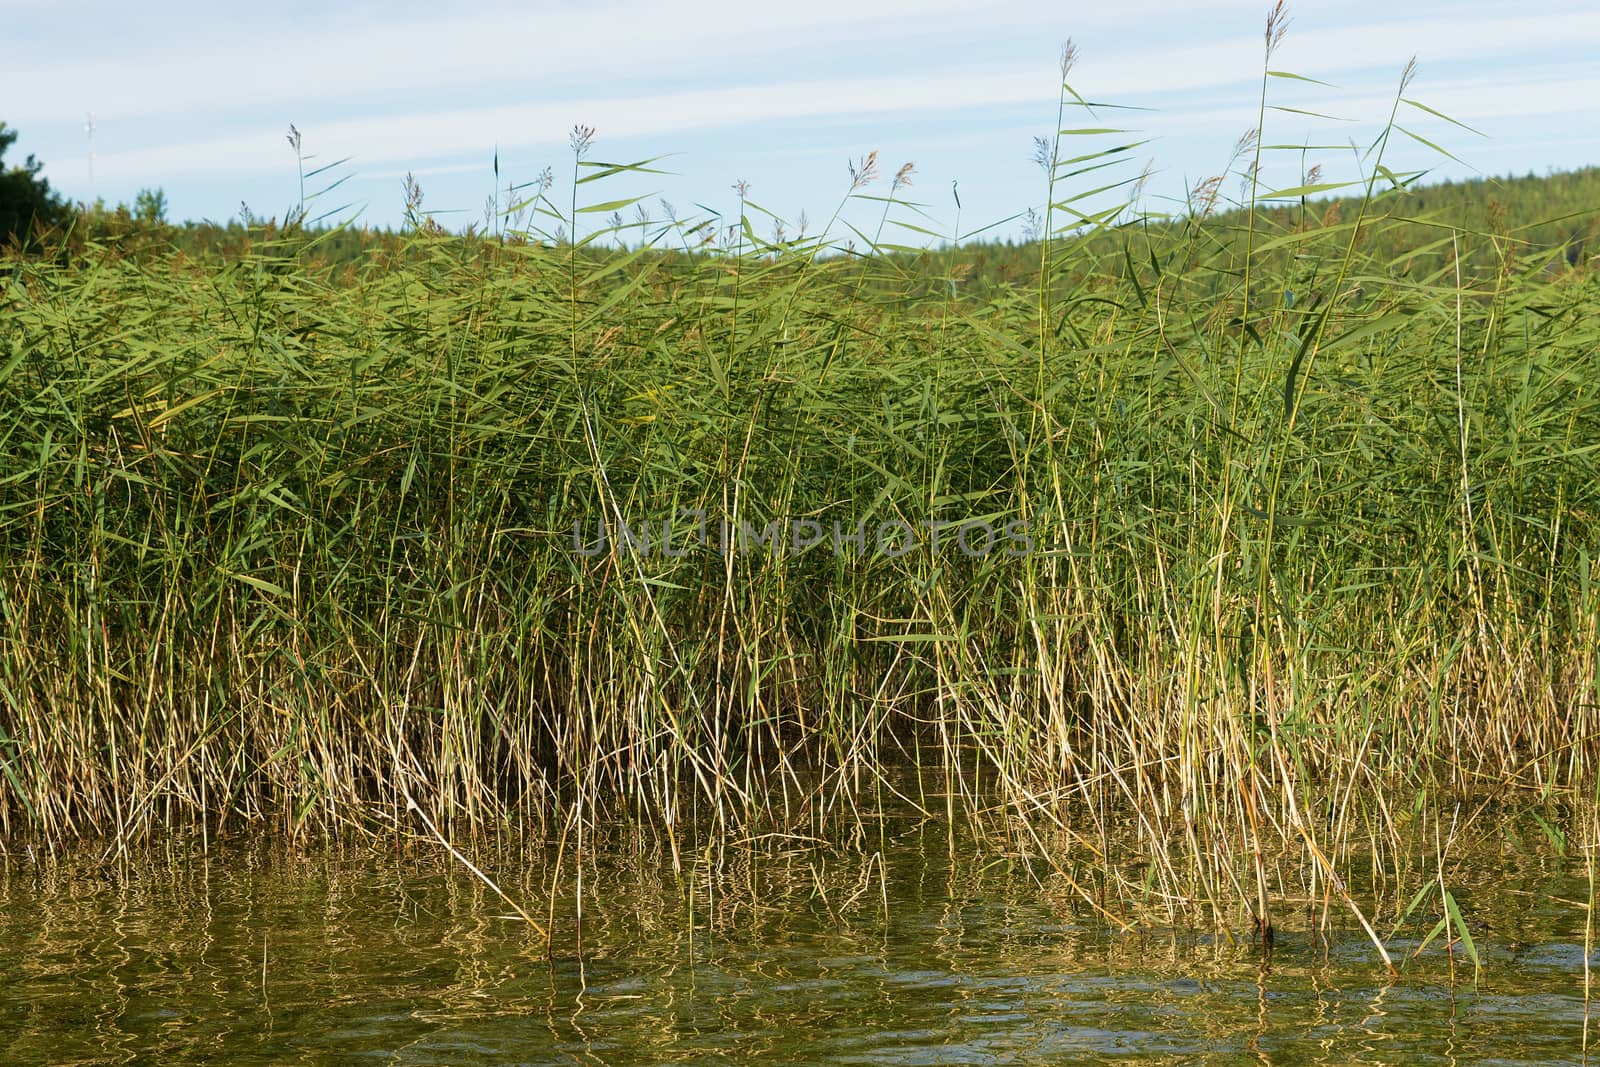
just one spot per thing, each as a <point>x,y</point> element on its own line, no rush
<point>196,98</point>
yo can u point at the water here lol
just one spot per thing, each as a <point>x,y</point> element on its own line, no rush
<point>253,953</point>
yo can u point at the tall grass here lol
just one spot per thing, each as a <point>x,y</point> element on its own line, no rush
<point>1312,530</point>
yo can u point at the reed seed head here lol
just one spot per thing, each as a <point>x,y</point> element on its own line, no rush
<point>1043,153</point>
<point>1277,26</point>
<point>864,173</point>
<point>1069,57</point>
<point>581,138</point>
<point>1408,74</point>
<point>1203,198</point>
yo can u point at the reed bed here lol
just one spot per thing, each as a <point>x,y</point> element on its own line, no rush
<point>1293,540</point>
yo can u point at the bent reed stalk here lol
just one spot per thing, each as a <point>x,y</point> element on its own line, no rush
<point>1312,531</point>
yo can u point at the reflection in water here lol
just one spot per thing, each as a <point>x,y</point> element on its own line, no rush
<point>912,954</point>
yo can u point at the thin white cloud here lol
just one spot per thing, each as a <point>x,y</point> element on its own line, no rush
<point>446,134</point>
<point>412,55</point>
<point>1393,41</point>
<point>441,135</point>
<point>589,46</point>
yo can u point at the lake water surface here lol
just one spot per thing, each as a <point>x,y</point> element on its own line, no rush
<point>911,952</point>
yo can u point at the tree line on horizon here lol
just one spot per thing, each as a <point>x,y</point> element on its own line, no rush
<point>1491,218</point>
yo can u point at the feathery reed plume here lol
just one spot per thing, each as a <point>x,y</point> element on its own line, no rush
<point>1145,174</point>
<point>1043,153</point>
<point>1277,26</point>
<point>293,137</point>
<point>1069,57</point>
<point>413,198</point>
<point>1032,226</point>
<point>1203,197</point>
<point>1244,145</point>
<point>865,173</point>
<point>580,139</point>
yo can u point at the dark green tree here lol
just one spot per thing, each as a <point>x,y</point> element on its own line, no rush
<point>28,207</point>
<point>150,206</point>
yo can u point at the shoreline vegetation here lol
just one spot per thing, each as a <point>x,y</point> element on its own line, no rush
<point>291,544</point>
